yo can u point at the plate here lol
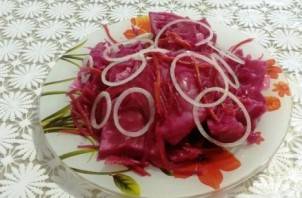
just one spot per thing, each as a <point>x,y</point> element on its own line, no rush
<point>253,158</point>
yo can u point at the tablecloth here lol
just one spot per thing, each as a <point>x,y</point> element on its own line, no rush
<point>34,33</point>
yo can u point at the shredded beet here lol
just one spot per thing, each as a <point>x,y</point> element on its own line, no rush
<point>172,140</point>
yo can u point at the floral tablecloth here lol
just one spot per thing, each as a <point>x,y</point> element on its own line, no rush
<point>34,33</point>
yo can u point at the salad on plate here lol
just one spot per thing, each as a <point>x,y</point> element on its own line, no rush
<point>171,98</point>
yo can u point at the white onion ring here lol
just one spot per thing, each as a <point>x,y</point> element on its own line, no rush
<point>106,95</point>
<point>159,50</point>
<point>129,78</point>
<point>241,106</point>
<point>183,94</point>
<point>228,54</point>
<point>236,85</point>
<point>137,54</point>
<point>147,35</point>
<point>127,57</point>
<point>163,29</point>
<point>119,101</point>
<point>88,60</point>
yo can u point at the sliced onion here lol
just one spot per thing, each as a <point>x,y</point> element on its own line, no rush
<point>216,58</point>
<point>88,60</point>
<point>118,103</point>
<point>140,53</point>
<point>163,29</point>
<point>241,106</point>
<point>228,54</point>
<point>103,94</point>
<point>147,35</point>
<point>159,50</point>
<point>129,78</point>
<point>183,94</point>
<point>127,57</point>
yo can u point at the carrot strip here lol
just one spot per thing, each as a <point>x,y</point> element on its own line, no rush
<point>196,65</point>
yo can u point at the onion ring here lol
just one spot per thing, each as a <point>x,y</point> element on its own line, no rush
<point>241,106</point>
<point>129,78</point>
<point>106,95</point>
<point>183,94</point>
<point>88,60</point>
<point>236,85</point>
<point>119,101</point>
<point>127,57</point>
<point>228,54</point>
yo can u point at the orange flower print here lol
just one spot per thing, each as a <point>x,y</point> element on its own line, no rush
<point>282,89</point>
<point>140,25</point>
<point>272,103</point>
<point>271,70</point>
<point>209,169</point>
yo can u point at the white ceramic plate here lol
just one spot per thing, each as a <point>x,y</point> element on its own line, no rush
<point>253,158</point>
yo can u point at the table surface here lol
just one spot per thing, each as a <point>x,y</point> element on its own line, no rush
<point>34,33</point>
